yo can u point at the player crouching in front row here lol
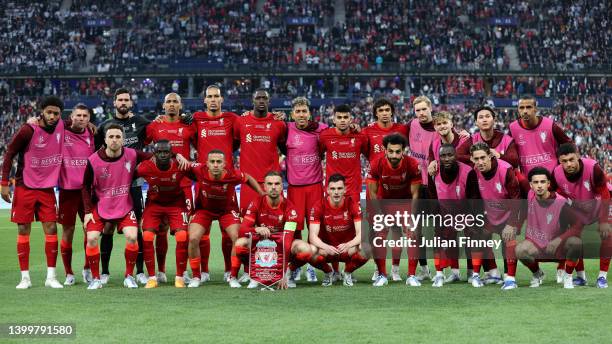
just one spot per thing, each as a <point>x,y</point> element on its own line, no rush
<point>268,214</point>
<point>335,232</point>
<point>547,214</point>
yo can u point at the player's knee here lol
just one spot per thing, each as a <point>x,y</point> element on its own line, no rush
<point>23,229</point>
<point>573,244</point>
<point>522,250</point>
<point>242,242</point>
<point>299,246</point>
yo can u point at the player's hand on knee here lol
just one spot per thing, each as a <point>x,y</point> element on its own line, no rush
<point>509,233</point>
<point>88,218</point>
<point>6,193</point>
<point>263,232</point>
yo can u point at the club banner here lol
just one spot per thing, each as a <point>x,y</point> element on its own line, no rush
<point>266,259</point>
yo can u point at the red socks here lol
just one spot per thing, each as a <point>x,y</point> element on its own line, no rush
<point>300,259</point>
<point>148,253</point>
<point>92,255</point>
<point>51,249</point>
<point>355,263</point>
<point>204,252</point>
<point>511,257</point>
<point>131,253</point>
<point>226,248</point>
<point>194,263</point>
<point>321,264</point>
<point>181,252</point>
<point>161,249</point>
<point>569,266</point>
<point>23,251</point>
<point>66,250</point>
<point>241,257</point>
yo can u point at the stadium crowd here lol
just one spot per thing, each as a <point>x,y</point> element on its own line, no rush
<point>474,35</point>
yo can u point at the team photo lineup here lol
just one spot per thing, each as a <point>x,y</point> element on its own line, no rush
<point>300,208</point>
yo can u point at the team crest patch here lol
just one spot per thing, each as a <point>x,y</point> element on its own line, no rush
<point>345,215</point>
<point>128,166</point>
<point>268,126</point>
<point>58,137</point>
<point>88,141</point>
<point>587,185</point>
<point>549,218</point>
<point>265,253</point>
<point>498,187</point>
<point>543,136</point>
<point>352,142</point>
<point>458,190</point>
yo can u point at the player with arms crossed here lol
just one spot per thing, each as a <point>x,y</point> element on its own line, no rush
<point>270,213</point>
<point>39,151</point>
<point>106,197</point>
<point>395,177</point>
<point>335,232</point>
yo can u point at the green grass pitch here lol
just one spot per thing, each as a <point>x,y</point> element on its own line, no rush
<point>456,313</point>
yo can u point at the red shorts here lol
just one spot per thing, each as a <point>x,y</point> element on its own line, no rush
<point>545,257</point>
<point>70,204</point>
<point>205,218</point>
<point>304,197</point>
<point>129,220</point>
<point>156,214</point>
<point>247,195</point>
<point>27,202</point>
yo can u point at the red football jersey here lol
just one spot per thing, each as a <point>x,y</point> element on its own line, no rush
<point>261,214</point>
<point>215,132</point>
<point>217,196</point>
<point>343,155</point>
<point>337,223</point>
<point>376,133</point>
<point>394,183</point>
<point>259,140</point>
<point>179,134</point>
<point>164,186</point>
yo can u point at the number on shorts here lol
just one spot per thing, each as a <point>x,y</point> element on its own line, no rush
<point>132,215</point>
<point>185,218</point>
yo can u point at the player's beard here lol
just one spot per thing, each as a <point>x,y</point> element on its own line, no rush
<point>50,126</point>
<point>123,110</point>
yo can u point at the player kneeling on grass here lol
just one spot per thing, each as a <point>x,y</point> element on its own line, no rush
<point>268,214</point>
<point>548,213</point>
<point>216,200</point>
<point>108,176</point>
<point>166,203</point>
<point>335,232</point>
